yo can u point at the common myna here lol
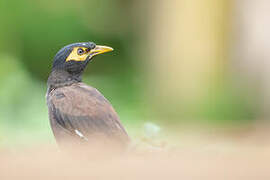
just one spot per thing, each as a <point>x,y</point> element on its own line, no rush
<point>79,114</point>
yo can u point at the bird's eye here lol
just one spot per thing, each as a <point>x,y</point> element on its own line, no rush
<point>80,51</point>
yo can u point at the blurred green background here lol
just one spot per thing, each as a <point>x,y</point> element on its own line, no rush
<point>174,63</point>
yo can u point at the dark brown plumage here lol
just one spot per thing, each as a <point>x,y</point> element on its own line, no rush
<point>79,113</point>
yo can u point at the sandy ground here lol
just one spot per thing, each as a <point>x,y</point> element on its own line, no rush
<point>235,156</point>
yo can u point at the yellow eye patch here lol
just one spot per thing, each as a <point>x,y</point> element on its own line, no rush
<point>78,54</point>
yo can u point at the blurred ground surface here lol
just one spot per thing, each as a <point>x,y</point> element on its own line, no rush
<point>188,155</point>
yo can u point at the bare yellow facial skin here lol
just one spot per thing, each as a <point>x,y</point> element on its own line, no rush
<point>77,55</point>
<point>74,56</point>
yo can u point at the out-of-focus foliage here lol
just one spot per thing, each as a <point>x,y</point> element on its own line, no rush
<point>33,31</point>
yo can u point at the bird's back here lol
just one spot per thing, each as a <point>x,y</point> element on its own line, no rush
<point>80,113</point>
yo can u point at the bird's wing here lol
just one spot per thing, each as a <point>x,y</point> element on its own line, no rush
<point>83,111</point>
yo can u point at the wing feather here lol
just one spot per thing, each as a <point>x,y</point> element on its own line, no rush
<point>81,108</point>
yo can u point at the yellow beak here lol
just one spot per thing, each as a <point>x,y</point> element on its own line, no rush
<point>100,50</point>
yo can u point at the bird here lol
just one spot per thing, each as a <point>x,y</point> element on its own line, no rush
<point>79,114</point>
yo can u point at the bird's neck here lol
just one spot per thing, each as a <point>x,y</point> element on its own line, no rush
<point>59,78</point>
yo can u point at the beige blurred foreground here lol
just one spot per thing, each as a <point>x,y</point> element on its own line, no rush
<point>244,155</point>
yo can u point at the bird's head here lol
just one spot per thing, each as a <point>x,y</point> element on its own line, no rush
<point>73,58</point>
